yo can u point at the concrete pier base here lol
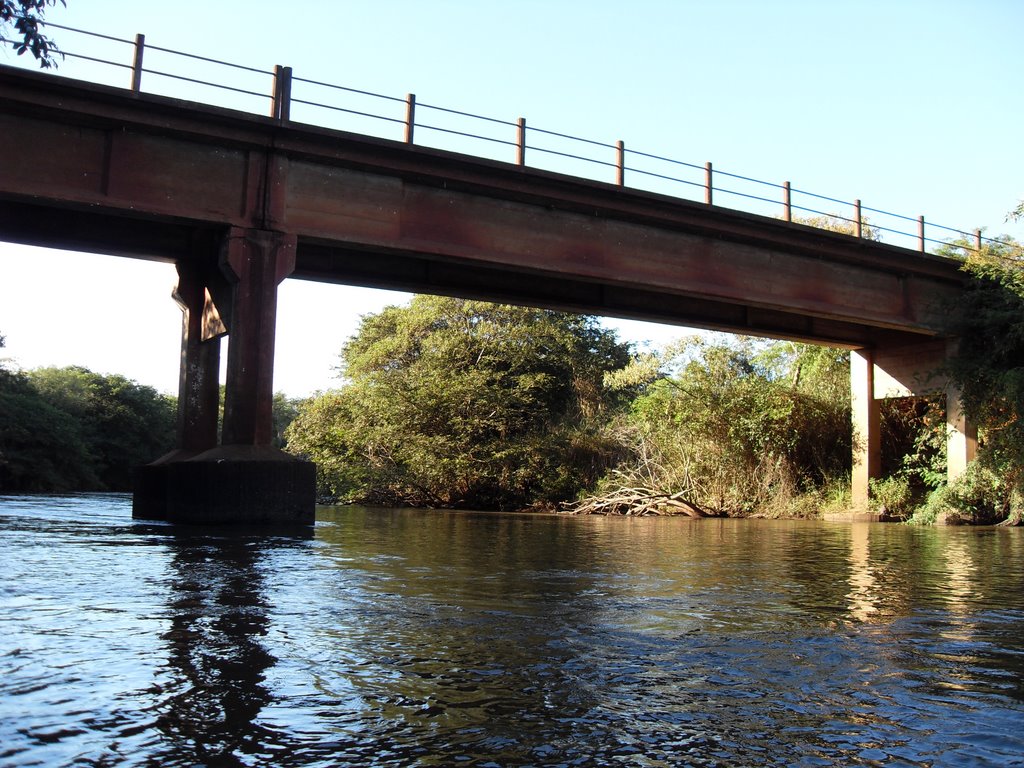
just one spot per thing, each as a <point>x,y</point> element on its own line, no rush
<point>149,486</point>
<point>228,485</point>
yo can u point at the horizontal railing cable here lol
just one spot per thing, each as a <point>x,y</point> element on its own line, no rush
<point>546,132</point>
<point>95,60</point>
<point>949,229</point>
<point>888,213</point>
<point>747,195</point>
<point>902,233</point>
<point>346,89</point>
<point>568,156</point>
<point>87,32</point>
<point>829,214</point>
<point>347,111</point>
<point>740,177</point>
<point>464,134</point>
<point>821,197</point>
<point>660,159</point>
<point>663,176</point>
<point>993,240</point>
<point>243,67</point>
<point>421,105</point>
<point>196,81</point>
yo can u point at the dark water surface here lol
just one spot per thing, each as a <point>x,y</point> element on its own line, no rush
<point>410,638</point>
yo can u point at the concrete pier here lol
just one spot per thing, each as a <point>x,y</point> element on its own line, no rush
<point>242,480</point>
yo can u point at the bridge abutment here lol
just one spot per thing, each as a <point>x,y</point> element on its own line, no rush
<point>244,479</point>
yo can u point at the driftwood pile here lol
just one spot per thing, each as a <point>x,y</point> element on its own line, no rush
<point>636,502</point>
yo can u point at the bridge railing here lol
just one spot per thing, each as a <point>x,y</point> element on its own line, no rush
<point>286,97</point>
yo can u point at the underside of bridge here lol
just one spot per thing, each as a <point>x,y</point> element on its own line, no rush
<point>240,202</point>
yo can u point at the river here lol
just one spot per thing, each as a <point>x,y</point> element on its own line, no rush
<point>416,638</point>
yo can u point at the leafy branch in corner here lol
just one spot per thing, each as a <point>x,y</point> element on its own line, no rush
<point>26,17</point>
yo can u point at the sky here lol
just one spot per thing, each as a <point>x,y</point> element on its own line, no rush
<point>911,106</point>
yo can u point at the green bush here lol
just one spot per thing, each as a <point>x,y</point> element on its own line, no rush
<point>978,497</point>
<point>466,404</point>
<point>69,429</point>
<point>893,496</point>
<point>744,426</point>
<point>989,369</point>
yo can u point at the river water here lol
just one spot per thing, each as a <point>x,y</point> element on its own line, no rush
<point>414,638</point>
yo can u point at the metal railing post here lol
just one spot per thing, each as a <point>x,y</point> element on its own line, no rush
<point>708,171</point>
<point>281,100</point>
<point>621,170</point>
<point>521,141</point>
<point>410,116</point>
<point>787,200</point>
<point>140,47</point>
<point>858,223</point>
<point>920,232</point>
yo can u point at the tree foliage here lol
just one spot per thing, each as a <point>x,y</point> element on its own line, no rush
<point>285,410</point>
<point>740,425</point>
<point>41,447</point>
<point>460,403</point>
<point>840,224</point>
<point>72,429</point>
<point>26,16</point>
<point>989,365</point>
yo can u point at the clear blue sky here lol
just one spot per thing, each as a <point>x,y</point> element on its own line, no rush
<point>911,106</point>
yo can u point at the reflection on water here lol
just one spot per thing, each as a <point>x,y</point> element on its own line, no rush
<point>865,593</point>
<point>216,661</point>
<point>411,638</point>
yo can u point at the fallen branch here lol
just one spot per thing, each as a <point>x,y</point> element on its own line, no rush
<point>635,502</point>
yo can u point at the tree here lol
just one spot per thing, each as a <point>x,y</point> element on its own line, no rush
<point>26,16</point>
<point>285,409</point>
<point>840,224</point>
<point>739,426</point>
<point>123,423</point>
<point>41,448</point>
<point>466,404</point>
<point>989,370</point>
<point>326,432</point>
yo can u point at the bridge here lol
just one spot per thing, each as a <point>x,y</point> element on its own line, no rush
<point>238,202</point>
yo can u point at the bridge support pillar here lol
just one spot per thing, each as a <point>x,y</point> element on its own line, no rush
<point>198,388</point>
<point>254,262</point>
<point>961,432</point>
<point>244,480</point>
<point>866,414</point>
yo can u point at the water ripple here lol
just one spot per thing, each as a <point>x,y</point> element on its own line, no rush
<point>419,639</point>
